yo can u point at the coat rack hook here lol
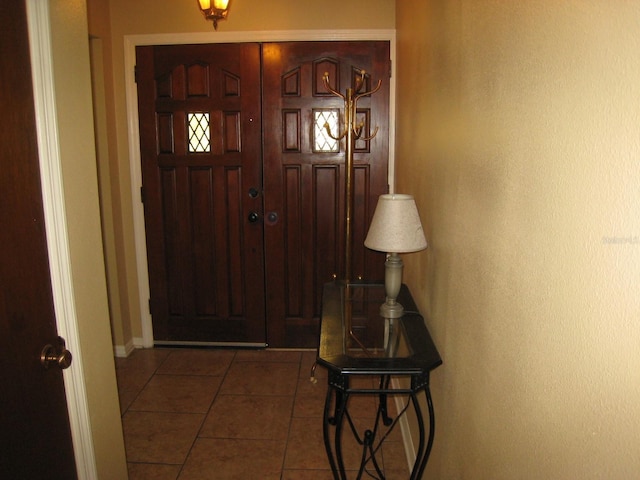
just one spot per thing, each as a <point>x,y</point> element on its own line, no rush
<point>328,130</point>
<point>325,81</point>
<point>360,82</point>
<point>350,106</point>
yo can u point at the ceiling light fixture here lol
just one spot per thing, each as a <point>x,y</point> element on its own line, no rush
<point>214,10</point>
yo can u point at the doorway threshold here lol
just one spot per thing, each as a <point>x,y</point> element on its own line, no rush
<point>209,344</point>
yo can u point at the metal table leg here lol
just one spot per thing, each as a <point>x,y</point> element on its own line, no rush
<point>424,449</point>
<point>334,454</point>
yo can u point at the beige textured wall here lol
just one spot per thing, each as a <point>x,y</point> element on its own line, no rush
<point>179,16</point>
<point>518,134</point>
<point>111,210</point>
<point>75,124</point>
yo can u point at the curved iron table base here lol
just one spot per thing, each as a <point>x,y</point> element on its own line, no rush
<point>371,440</point>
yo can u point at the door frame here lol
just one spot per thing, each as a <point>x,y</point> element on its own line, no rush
<point>131,95</point>
<point>57,234</point>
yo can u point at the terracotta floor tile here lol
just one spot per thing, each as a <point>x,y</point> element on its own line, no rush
<point>197,362</point>
<point>264,417</point>
<point>352,448</point>
<point>239,414</point>
<point>153,471</point>
<point>307,363</point>
<point>396,433</point>
<point>284,356</point>
<point>232,459</point>
<point>396,474</point>
<point>143,358</point>
<point>394,457</point>
<point>133,372</point>
<point>308,475</point>
<point>393,407</point>
<point>178,393</point>
<point>132,379</point>
<point>310,398</point>
<point>305,448</point>
<point>126,398</point>
<point>361,406</point>
<point>166,438</point>
<point>257,378</point>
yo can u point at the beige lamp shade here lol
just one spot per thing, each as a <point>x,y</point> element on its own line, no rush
<point>396,226</point>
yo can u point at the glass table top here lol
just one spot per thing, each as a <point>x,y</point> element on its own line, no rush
<point>372,342</point>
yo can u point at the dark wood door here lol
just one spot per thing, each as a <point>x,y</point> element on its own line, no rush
<point>208,241</point>
<point>200,134</point>
<point>304,177</point>
<point>36,438</point>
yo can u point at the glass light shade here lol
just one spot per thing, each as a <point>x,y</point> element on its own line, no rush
<point>396,226</point>
<point>217,4</point>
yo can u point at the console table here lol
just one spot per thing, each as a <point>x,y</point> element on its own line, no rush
<point>399,348</point>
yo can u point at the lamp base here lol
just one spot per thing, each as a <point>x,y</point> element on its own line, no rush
<point>392,283</point>
<point>391,310</point>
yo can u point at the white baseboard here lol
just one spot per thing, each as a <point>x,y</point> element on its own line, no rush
<point>123,351</point>
<point>407,440</point>
<point>139,342</point>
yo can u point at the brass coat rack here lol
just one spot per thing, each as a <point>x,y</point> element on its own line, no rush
<point>351,133</point>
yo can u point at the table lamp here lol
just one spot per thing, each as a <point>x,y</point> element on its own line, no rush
<point>395,228</point>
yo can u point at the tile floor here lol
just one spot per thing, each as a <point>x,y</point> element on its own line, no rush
<point>234,414</point>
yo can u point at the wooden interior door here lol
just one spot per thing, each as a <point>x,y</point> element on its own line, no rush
<point>36,438</point>
<point>200,135</point>
<point>304,179</point>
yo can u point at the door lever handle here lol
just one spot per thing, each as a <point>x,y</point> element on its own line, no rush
<point>61,358</point>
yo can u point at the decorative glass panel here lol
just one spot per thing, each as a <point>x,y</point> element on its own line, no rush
<point>199,133</point>
<point>322,142</point>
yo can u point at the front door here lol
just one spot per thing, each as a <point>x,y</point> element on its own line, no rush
<point>243,197</point>
<point>36,439</point>
<point>200,135</point>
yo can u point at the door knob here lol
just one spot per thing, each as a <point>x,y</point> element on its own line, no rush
<point>272,218</point>
<point>253,217</point>
<point>60,357</point>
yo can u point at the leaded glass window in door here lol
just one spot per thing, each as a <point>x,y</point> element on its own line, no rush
<point>323,119</point>
<point>199,133</point>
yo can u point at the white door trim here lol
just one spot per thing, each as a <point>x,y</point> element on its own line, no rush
<point>130,44</point>
<point>57,234</point>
